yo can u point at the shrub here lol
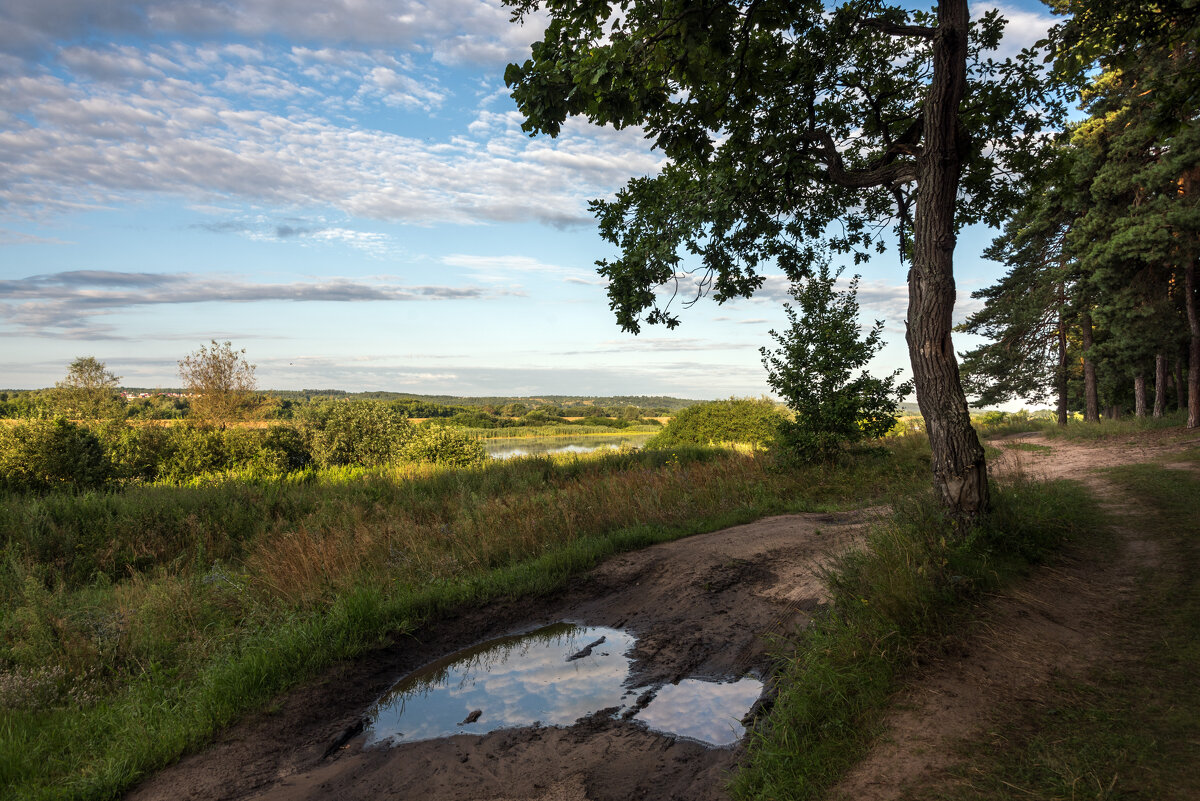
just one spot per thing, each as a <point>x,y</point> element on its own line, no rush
<point>45,454</point>
<point>360,432</point>
<point>741,420</point>
<point>814,372</point>
<point>441,445</point>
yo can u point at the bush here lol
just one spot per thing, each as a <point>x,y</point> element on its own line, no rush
<point>813,371</point>
<point>441,445</point>
<point>359,432</point>
<point>46,454</point>
<point>741,420</point>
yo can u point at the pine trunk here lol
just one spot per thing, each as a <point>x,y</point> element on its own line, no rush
<point>1061,372</point>
<point>1091,397</point>
<point>1180,392</point>
<point>1193,378</point>
<point>1139,394</point>
<point>1160,385</point>
<point>959,469</point>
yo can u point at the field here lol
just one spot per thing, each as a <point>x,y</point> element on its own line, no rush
<point>139,621</point>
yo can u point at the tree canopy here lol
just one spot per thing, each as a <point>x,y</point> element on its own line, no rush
<point>88,391</point>
<point>791,128</point>
<point>219,381</point>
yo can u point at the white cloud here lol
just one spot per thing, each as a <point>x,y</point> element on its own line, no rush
<point>67,304</point>
<point>213,136</point>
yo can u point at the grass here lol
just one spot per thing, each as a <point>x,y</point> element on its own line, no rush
<point>137,623</point>
<point>891,603</point>
<point>1031,447</point>
<point>1130,729</point>
<point>1121,427</point>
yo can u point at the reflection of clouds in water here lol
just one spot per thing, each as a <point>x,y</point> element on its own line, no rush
<point>512,447</point>
<point>520,680</point>
<point>516,684</point>
<point>702,710</point>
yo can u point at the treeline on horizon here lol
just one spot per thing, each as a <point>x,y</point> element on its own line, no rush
<point>272,405</point>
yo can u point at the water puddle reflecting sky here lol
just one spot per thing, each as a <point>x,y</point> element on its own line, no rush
<point>552,676</point>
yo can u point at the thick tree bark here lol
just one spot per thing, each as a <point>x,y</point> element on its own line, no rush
<point>1091,397</point>
<point>1060,376</point>
<point>1193,378</point>
<point>1160,385</point>
<point>959,469</point>
<point>1139,394</point>
<point>1180,392</point>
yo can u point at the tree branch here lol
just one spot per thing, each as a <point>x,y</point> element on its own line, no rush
<point>892,29</point>
<point>889,174</point>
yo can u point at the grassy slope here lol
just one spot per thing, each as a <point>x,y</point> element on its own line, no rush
<point>136,624</point>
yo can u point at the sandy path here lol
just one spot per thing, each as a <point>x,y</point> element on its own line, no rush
<point>700,607</point>
<point>1060,620</point>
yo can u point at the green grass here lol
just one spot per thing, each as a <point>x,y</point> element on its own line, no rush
<point>893,602</point>
<point>1130,729</point>
<point>1031,447</point>
<point>1109,429</point>
<point>137,623</point>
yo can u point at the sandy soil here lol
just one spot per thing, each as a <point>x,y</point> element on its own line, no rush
<point>1061,620</point>
<point>704,606</point>
<point>701,607</point>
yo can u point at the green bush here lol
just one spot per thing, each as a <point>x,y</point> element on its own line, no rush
<point>359,432</point>
<point>441,445</point>
<point>47,454</point>
<point>741,420</point>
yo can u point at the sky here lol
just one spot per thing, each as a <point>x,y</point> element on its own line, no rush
<point>341,188</point>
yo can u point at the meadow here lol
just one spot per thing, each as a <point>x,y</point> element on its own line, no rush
<point>139,619</point>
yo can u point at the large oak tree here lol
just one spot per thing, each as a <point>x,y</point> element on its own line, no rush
<point>789,128</point>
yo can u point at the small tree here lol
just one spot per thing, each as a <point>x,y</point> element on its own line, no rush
<point>220,382</point>
<point>89,390</point>
<point>812,372</point>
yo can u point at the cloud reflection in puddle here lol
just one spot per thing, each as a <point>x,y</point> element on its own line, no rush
<point>528,679</point>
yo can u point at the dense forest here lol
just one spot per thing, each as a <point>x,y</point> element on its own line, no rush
<point>1097,310</point>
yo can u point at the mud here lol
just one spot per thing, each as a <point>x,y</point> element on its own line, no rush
<point>703,608</point>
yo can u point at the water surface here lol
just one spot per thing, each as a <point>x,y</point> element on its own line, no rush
<point>553,676</point>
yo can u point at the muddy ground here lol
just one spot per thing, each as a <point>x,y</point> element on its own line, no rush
<point>705,606</point>
<point>702,607</point>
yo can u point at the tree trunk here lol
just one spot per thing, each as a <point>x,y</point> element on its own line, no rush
<point>1139,394</point>
<point>959,469</point>
<point>1180,393</point>
<point>1160,385</point>
<point>1060,376</point>
<point>1091,397</point>
<point>1193,378</point>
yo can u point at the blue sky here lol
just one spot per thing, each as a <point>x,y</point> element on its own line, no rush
<point>341,188</point>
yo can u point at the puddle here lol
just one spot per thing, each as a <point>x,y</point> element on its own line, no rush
<point>552,677</point>
<point>513,447</point>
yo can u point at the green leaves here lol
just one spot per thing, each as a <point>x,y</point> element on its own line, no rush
<point>789,127</point>
<point>813,371</point>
